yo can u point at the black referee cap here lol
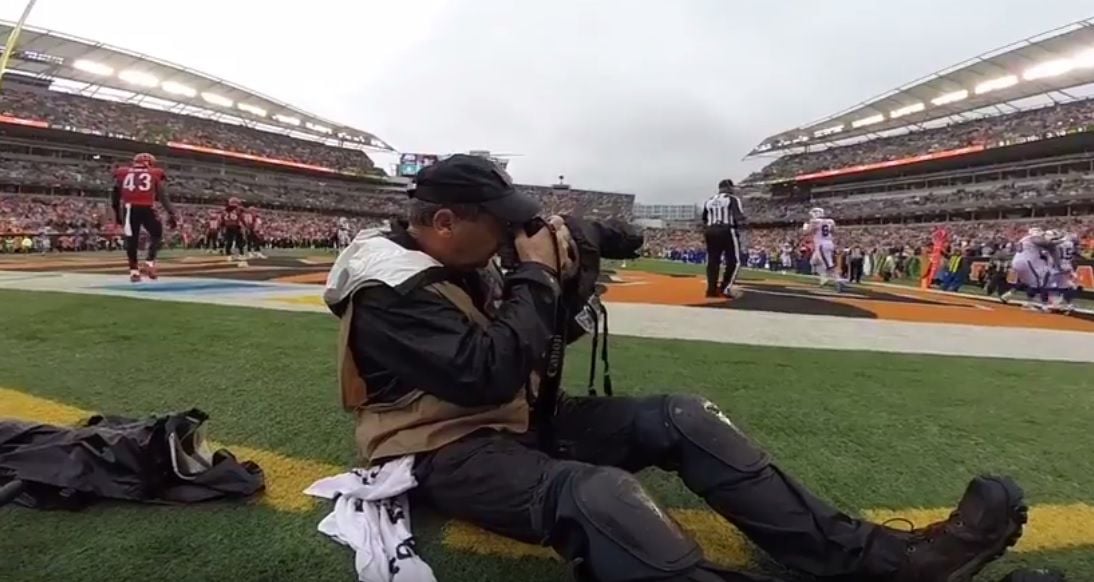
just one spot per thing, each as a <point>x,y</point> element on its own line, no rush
<point>726,184</point>
<point>466,179</point>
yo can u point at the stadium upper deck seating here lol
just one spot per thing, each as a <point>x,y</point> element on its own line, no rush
<point>987,131</point>
<point>985,196</point>
<point>160,127</point>
<point>49,168</point>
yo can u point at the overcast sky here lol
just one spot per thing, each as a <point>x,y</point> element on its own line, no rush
<point>656,97</point>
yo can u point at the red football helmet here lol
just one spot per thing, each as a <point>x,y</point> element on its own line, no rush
<point>144,159</point>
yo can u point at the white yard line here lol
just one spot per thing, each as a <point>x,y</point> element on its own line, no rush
<point>631,319</point>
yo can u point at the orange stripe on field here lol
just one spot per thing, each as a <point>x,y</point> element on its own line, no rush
<point>641,287</point>
<point>311,278</point>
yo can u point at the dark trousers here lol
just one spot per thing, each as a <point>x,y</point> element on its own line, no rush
<point>722,242</point>
<point>254,242</point>
<point>856,270</point>
<point>503,483</point>
<point>212,240</point>
<point>233,235</point>
<point>138,217</point>
<point>997,282</point>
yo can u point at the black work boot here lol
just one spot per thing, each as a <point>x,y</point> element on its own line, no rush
<point>987,521</point>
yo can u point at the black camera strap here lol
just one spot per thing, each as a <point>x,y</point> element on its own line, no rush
<point>594,317</point>
<point>550,382</point>
<point>598,314</point>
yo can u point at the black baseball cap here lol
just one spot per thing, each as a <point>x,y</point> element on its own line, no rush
<point>466,179</point>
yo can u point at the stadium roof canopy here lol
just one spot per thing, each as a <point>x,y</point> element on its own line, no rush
<point>102,70</point>
<point>1050,62</point>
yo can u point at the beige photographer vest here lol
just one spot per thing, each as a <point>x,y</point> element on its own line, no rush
<point>420,422</point>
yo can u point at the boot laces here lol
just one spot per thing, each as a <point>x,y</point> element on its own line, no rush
<point>927,534</point>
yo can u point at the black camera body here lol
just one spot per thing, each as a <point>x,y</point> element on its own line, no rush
<point>593,240</point>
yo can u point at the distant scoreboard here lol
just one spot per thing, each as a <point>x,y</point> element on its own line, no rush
<point>411,164</point>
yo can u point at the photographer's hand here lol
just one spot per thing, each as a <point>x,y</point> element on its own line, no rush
<point>566,246</point>
<point>540,247</point>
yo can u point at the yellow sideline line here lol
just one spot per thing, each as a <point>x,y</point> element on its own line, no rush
<point>1051,527</point>
<point>310,299</point>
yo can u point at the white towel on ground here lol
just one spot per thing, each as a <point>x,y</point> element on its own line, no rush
<point>371,515</point>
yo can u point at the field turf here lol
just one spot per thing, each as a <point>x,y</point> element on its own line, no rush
<point>869,431</point>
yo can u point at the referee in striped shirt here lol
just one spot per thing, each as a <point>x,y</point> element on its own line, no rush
<point>723,218</point>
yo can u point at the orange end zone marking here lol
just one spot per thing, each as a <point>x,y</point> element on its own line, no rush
<point>641,287</point>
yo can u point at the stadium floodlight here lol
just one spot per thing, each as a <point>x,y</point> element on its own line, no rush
<point>906,110</point>
<point>317,127</point>
<point>178,89</point>
<point>996,84</point>
<point>867,121</point>
<point>252,109</point>
<point>1048,69</point>
<point>828,130</point>
<point>138,78</point>
<point>216,99</point>
<point>1084,60</point>
<point>952,97</point>
<point>287,119</point>
<point>93,67</point>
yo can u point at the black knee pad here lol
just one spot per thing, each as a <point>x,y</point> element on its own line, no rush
<point>709,449</point>
<point>612,531</point>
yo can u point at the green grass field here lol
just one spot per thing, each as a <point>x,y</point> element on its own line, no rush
<point>866,430</point>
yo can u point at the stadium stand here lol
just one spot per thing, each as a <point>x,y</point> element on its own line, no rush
<point>988,132</point>
<point>983,150</point>
<point>73,223</point>
<point>158,127</point>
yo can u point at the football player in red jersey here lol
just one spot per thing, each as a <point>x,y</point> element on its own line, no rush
<point>252,226</point>
<point>212,233</point>
<point>231,220</point>
<point>137,187</point>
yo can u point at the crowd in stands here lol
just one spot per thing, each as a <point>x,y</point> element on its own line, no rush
<point>911,238</point>
<point>988,132</point>
<point>138,123</point>
<point>197,183</point>
<point>586,203</point>
<point>78,223</point>
<point>202,184</point>
<point>87,223</point>
<point>1041,192</point>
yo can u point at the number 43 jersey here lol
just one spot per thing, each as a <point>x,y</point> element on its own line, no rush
<point>139,185</point>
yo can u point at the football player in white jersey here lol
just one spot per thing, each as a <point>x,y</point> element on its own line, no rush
<point>824,247</point>
<point>1063,283</point>
<point>1031,267</point>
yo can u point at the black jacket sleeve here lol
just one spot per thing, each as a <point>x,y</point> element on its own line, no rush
<point>419,340</point>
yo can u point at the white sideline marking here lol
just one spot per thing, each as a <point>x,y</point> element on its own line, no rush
<point>661,321</point>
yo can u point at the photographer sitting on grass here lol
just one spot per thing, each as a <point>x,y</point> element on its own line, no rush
<point>442,357</point>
